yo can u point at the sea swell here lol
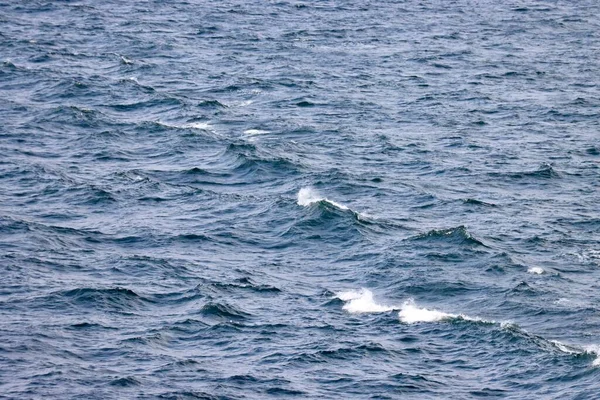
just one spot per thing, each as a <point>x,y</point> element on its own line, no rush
<point>362,301</point>
<point>282,199</point>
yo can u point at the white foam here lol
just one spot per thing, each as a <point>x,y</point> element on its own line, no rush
<point>593,349</point>
<point>535,270</point>
<point>508,325</point>
<point>204,126</point>
<point>565,348</point>
<point>308,196</point>
<point>595,256</point>
<point>587,256</point>
<point>362,301</point>
<point>410,313</point>
<point>255,132</point>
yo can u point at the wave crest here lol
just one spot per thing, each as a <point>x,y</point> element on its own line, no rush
<point>308,196</point>
<point>410,314</point>
<point>362,301</point>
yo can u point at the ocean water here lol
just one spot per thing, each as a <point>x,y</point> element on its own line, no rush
<point>312,199</point>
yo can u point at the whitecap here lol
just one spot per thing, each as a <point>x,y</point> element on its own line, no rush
<point>535,270</point>
<point>255,132</point>
<point>508,325</point>
<point>203,126</point>
<point>593,349</point>
<point>411,313</point>
<point>308,196</point>
<point>565,348</point>
<point>362,301</point>
<point>595,256</point>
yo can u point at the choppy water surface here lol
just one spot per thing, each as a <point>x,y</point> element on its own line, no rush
<point>319,199</point>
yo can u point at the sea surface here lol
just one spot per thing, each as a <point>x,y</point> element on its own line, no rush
<point>300,199</point>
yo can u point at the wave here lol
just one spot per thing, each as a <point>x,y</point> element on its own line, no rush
<point>535,270</point>
<point>204,126</point>
<point>476,202</point>
<point>256,132</point>
<point>410,313</point>
<point>126,61</point>
<point>211,104</point>
<point>308,196</point>
<point>157,102</point>
<point>114,299</point>
<point>459,234</point>
<point>362,301</point>
<point>199,125</point>
<point>544,172</point>
<point>586,350</point>
<point>247,284</point>
<point>223,310</point>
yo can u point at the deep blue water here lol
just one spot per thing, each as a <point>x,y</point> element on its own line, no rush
<point>310,199</point>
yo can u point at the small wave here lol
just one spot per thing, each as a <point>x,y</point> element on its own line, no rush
<point>544,171</point>
<point>595,254</point>
<point>565,348</point>
<point>256,132</point>
<point>247,284</point>
<point>199,125</point>
<point>362,301</point>
<point>308,196</point>
<point>458,234</point>
<point>245,103</point>
<point>146,104</point>
<point>476,202</point>
<point>124,382</point>
<point>204,126</point>
<point>126,60</point>
<point>535,270</point>
<point>223,310</point>
<point>116,298</point>
<point>211,104</point>
<point>91,293</point>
